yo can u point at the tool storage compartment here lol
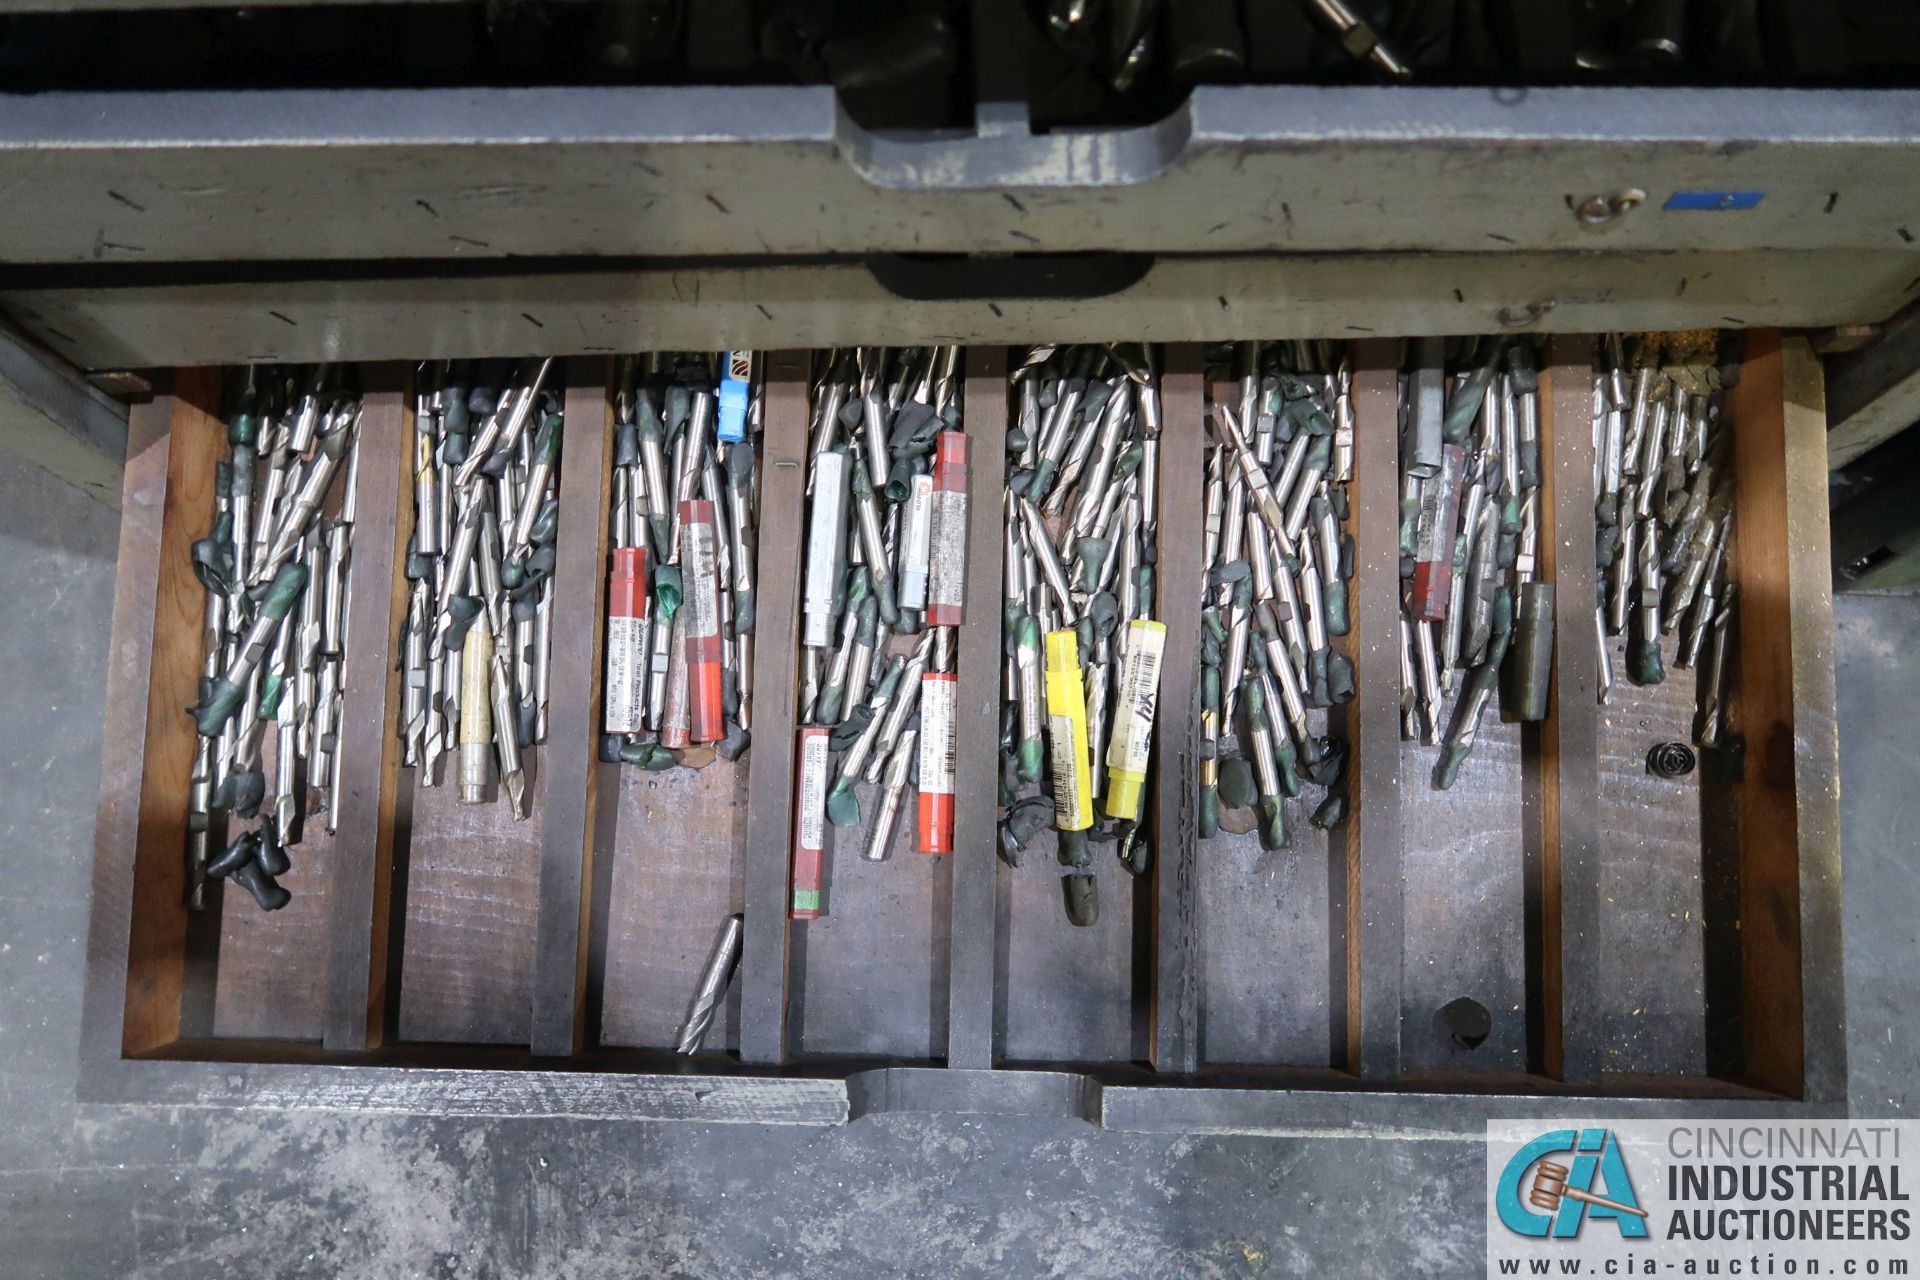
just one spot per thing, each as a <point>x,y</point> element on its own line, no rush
<point>1231,985</point>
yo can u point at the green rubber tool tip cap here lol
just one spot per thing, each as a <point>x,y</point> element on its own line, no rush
<point>222,701</point>
<point>1333,596</point>
<point>1452,756</point>
<point>1644,664</point>
<point>1083,900</point>
<point>285,590</point>
<point>1236,786</point>
<point>843,807</point>
<point>1074,850</point>
<point>735,744</point>
<point>1331,811</point>
<point>1209,812</point>
<point>546,524</point>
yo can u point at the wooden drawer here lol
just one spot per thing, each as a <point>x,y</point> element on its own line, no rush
<point>1662,947</point>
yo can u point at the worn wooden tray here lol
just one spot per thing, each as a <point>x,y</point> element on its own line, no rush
<point>450,960</point>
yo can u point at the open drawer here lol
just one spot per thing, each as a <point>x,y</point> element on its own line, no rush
<point>1629,938</point>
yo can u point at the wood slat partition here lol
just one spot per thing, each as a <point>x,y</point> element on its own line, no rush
<point>972,944</point>
<point>357,953</point>
<point>571,772</point>
<point>1375,924</point>
<point>157,946</point>
<point>1781,709</point>
<point>770,776</point>
<point>1178,581</point>
<point>1563,790</point>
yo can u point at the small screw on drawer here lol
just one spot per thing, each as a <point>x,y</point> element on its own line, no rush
<point>1597,211</point>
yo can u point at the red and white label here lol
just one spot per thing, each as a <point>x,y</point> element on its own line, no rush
<point>628,641</point>
<point>700,563</point>
<point>809,824</point>
<point>939,693</point>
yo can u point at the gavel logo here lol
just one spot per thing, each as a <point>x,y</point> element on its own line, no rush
<point>1550,1186</point>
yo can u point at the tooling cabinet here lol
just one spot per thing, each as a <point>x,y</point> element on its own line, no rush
<point>1642,946</point>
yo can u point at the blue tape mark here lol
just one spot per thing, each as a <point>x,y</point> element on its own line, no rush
<point>1714,200</point>
<point>733,407</point>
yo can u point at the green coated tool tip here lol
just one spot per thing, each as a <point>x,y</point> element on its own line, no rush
<point>1452,756</point>
<point>1339,679</point>
<point>546,524</point>
<point>1333,594</point>
<point>1273,825</point>
<point>735,744</point>
<point>1083,900</point>
<point>222,700</point>
<point>667,591</point>
<point>843,806</point>
<point>1042,478</point>
<point>271,691</point>
<point>1029,637</point>
<point>1209,812</point>
<point>547,447</point>
<point>1288,762</point>
<point>1033,754</point>
<point>1073,850</point>
<point>285,590</point>
<point>1331,811</point>
<point>1644,664</point>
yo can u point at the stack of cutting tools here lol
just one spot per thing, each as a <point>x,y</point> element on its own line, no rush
<point>680,598</point>
<point>1082,670</point>
<point>882,593</point>
<point>275,571</point>
<point>1474,603</point>
<point>479,574</point>
<point>1664,476</point>
<point>1279,564</point>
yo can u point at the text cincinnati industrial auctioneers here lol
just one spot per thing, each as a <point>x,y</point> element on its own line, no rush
<point>1727,1182</point>
<point>1656,1198</point>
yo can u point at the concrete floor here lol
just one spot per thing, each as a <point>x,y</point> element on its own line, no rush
<point>155,1192</point>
